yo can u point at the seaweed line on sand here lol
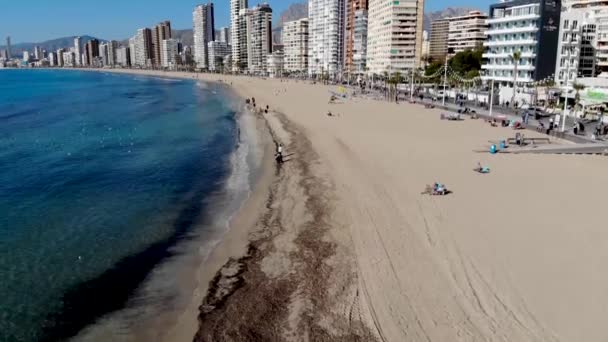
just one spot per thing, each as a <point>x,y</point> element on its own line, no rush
<point>244,303</point>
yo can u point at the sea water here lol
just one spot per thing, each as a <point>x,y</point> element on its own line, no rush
<point>102,177</point>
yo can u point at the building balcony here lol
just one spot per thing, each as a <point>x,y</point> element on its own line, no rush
<point>512,30</point>
<point>510,42</point>
<point>508,55</point>
<point>525,67</point>
<point>512,18</point>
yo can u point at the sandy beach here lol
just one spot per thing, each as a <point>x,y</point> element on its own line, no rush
<point>340,245</point>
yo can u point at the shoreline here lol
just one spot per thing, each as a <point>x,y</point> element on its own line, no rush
<point>231,245</point>
<point>348,249</point>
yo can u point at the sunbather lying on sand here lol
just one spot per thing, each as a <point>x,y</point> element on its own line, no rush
<point>436,189</point>
<point>481,169</point>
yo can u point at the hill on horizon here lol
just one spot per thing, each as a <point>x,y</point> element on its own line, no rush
<point>49,45</point>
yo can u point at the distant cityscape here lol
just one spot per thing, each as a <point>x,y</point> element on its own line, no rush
<point>524,42</point>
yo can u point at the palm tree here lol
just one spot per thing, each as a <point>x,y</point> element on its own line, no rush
<point>516,56</point>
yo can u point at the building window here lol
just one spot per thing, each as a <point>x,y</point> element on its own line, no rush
<point>574,24</point>
<point>566,22</point>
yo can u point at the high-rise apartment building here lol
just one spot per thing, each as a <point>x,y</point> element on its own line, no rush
<point>59,54</point>
<point>112,46</point>
<point>159,33</point>
<point>123,57</point>
<point>530,27</point>
<point>142,48</point>
<point>103,54</point>
<point>295,41</point>
<point>169,53</point>
<point>467,32</point>
<point>78,50</point>
<point>204,32</point>
<point>69,59</point>
<point>9,53</point>
<point>438,43</point>
<point>395,29</point>
<point>259,38</point>
<point>238,34</point>
<point>38,53</point>
<point>217,51</point>
<point>356,35</point>
<point>326,37</point>
<point>582,49</point>
<point>224,35</point>
<point>92,51</point>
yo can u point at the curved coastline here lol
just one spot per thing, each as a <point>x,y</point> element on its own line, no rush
<point>196,272</point>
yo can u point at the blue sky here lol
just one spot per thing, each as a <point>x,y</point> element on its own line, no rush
<point>39,20</point>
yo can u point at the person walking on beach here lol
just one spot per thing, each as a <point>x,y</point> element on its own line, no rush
<point>279,154</point>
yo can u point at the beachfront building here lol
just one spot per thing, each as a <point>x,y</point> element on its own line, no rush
<point>238,34</point>
<point>217,52</point>
<point>112,46</point>
<point>141,48</point>
<point>276,64</point>
<point>103,53</point>
<point>38,53</point>
<point>259,38</point>
<point>395,31</point>
<point>123,57</point>
<point>582,45</point>
<point>159,33</point>
<point>356,35</point>
<point>467,32</point>
<point>78,50</point>
<point>69,59</point>
<point>295,42</point>
<point>9,53</point>
<point>92,51</point>
<point>168,53</point>
<point>529,27</point>
<point>204,32</point>
<point>59,55</point>
<point>326,37</point>
<point>438,43</point>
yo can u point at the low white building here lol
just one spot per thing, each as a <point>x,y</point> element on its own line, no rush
<point>276,64</point>
<point>217,50</point>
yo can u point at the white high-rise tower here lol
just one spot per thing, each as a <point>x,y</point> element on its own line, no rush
<point>238,33</point>
<point>77,50</point>
<point>204,32</point>
<point>326,39</point>
<point>395,35</point>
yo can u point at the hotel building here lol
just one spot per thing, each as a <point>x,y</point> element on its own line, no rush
<point>530,27</point>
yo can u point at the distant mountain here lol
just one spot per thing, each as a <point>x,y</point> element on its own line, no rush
<point>429,17</point>
<point>185,36</point>
<point>49,45</point>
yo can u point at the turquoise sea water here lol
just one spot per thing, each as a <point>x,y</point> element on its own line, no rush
<point>100,175</point>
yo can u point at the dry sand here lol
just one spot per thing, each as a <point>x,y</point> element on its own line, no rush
<point>348,249</point>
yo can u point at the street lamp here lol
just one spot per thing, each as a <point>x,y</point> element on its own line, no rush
<point>445,73</point>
